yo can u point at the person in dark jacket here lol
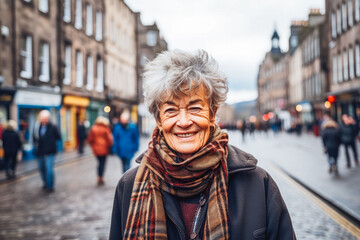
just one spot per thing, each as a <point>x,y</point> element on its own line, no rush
<point>348,136</point>
<point>11,145</point>
<point>46,136</point>
<point>191,184</point>
<point>126,139</point>
<point>331,141</point>
<point>81,134</point>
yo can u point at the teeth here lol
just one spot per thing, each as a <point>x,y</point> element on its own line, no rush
<point>186,135</point>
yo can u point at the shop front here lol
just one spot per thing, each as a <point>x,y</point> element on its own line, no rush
<point>28,105</point>
<point>346,102</point>
<point>73,110</point>
<point>95,109</point>
<point>6,98</point>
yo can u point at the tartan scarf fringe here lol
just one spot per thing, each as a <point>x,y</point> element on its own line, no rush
<point>159,171</point>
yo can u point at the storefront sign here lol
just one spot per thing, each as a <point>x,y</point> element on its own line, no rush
<point>76,101</point>
<point>6,96</point>
<point>37,98</point>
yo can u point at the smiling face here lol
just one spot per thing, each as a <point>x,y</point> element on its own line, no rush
<point>185,121</point>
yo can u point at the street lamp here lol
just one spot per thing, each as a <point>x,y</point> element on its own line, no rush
<point>298,108</point>
<point>327,104</point>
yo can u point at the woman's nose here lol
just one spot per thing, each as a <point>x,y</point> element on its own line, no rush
<point>184,119</point>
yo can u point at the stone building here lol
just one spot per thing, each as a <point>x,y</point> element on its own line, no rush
<point>81,60</point>
<point>35,64</point>
<point>149,44</point>
<point>120,47</point>
<point>312,42</point>
<point>273,79</point>
<point>343,22</point>
<point>7,71</point>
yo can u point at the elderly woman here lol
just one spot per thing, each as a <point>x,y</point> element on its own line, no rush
<point>191,184</point>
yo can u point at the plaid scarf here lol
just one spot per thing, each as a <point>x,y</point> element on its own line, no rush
<point>159,171</point>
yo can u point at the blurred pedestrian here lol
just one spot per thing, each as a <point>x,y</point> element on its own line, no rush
<point>192,184</point>
<point>81,134</point>
<point>348,136</point>
<point>12,145</point>
<point>243,129</point>
<point>331,141</point>
<point>101,141</point>
<point>126,139</point>
<point>46,136</point>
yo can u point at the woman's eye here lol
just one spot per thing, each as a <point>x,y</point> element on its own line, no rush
<point>170,110</point>
<point>195,109</point>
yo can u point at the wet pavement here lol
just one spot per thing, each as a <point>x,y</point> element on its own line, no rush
<point>79,209</point>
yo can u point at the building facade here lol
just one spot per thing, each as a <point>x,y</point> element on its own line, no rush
<point>343,22</point>
<point>273,80</point>
<point>81,63</point>
<point>120,47</point>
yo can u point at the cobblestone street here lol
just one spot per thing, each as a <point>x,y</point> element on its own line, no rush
<point>79,209</point>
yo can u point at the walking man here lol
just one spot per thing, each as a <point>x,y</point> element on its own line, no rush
<point>46,137</point>
<point>126,139</point>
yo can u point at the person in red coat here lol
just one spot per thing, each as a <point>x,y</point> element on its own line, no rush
<point>100,140</point>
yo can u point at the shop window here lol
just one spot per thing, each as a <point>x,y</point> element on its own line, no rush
<point>44,59</point>
<point>151,38</point>
<point>26,56</point>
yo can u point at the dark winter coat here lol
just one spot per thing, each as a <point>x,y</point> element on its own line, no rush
<point>126,140</point>
<point>348,133</point>
<point>256,208</point>
<point>81,133</point>
<point>47,144</point>
<point>11,141</point>
<point>331,141</point>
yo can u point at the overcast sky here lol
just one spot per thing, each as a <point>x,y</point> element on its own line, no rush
<point>236,32</point>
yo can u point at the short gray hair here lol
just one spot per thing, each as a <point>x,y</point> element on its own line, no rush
<point>180,72</point>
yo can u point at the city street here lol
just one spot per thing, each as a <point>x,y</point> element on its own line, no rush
<point>79,209</point>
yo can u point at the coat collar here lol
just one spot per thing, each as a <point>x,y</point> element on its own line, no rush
<point>238,160</point>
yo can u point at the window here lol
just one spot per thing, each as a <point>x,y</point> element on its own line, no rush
<point>351,63</point>
<point>333,24</point>
<point>78,14</point>
<point>357,10</point>
<point>44,62</point>
<point>44,6</point>
<point>79,69</point>
<point>98,33</point>
<point>112,31</point>
<point>346,66</point>
<point>67,11</point>
<point>340,76</point>
<point>67,63</point>
<point>344,16</point>
<point>338,19</point>
<point>26,56</point>
<point>90,73</point>
<point>350,13</point>
<point>99,76</point>
<point>151,38</point>
<point>357,59</point>
<point>89,20</point>
<point>119,37</point>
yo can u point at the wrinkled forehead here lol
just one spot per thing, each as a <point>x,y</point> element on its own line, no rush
<point>194,92</point>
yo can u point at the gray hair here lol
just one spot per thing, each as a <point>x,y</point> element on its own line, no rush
<point>179,72</point>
